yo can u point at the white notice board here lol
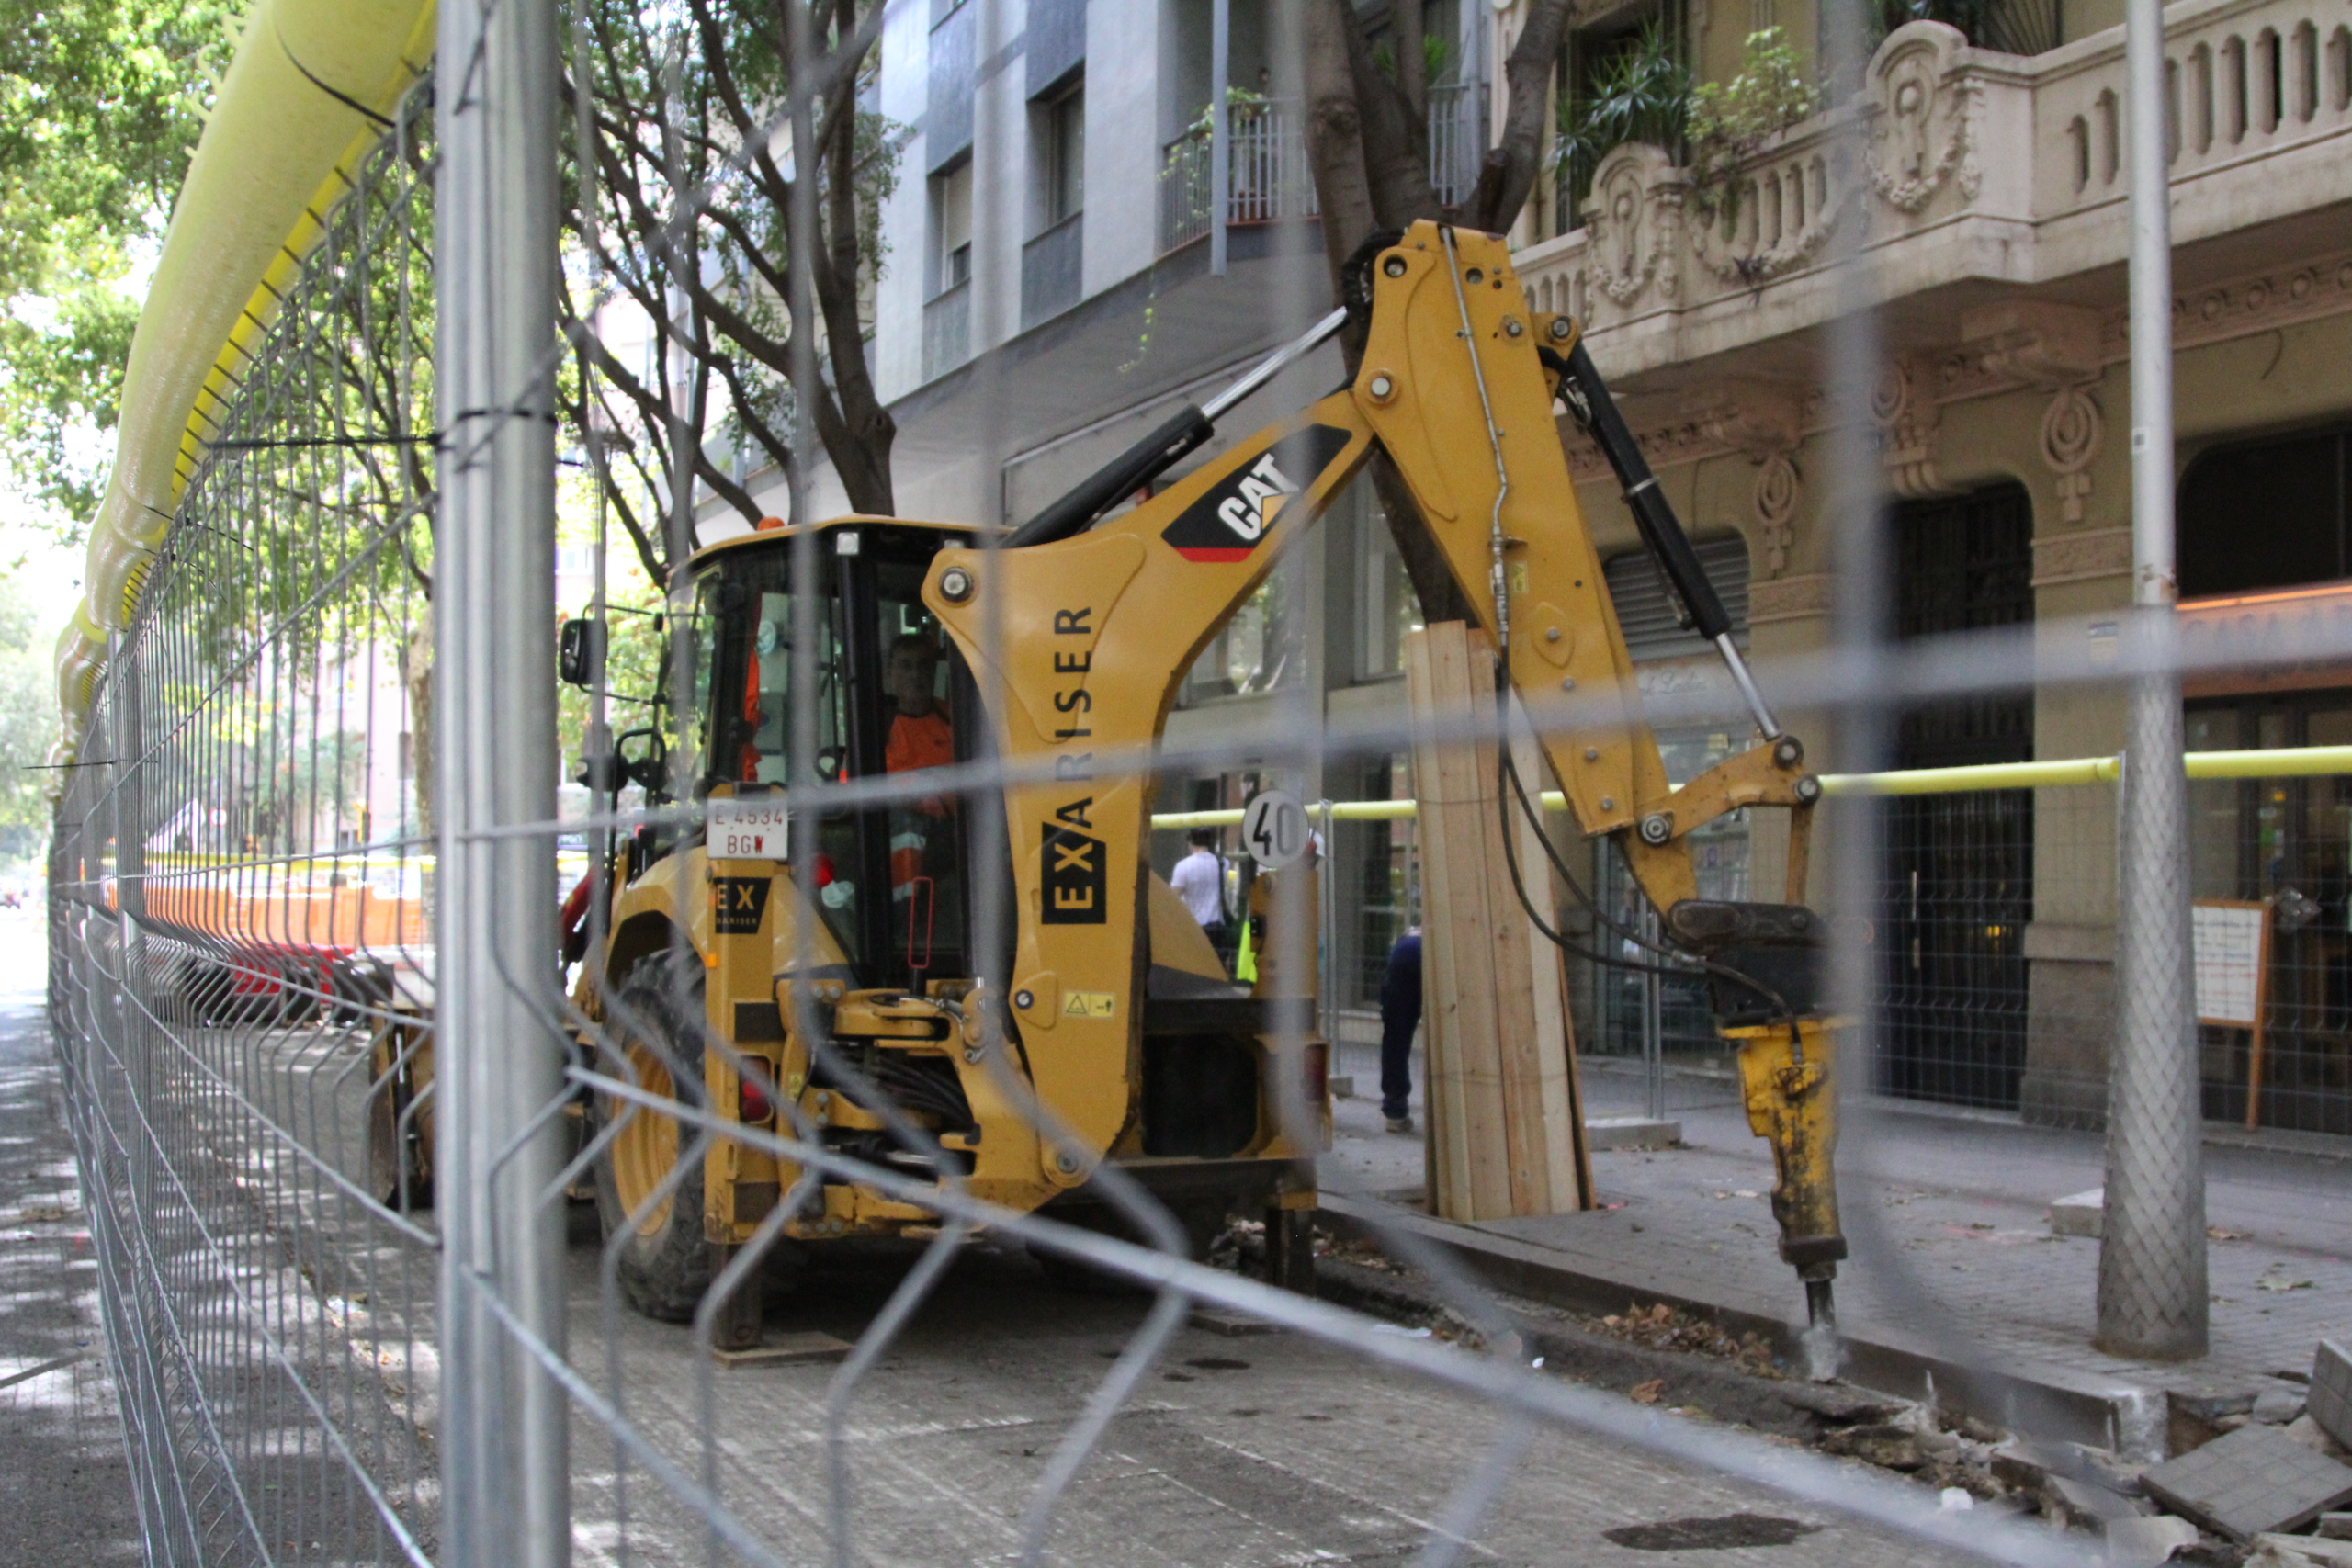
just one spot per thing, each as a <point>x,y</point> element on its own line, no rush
<point>2231,938</point>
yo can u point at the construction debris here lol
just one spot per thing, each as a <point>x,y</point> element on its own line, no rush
<point>2143,1543</point>
<point>2078,1214</point>
<point>2299,1551</point>
<point>2250,1482</point>
<point>2331,1390</point>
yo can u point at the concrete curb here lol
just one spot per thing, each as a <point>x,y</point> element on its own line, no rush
<point>1684,1378</point>
<point>2035,1400</point>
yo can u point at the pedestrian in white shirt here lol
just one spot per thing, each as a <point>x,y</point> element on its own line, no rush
<point>1199,881</point>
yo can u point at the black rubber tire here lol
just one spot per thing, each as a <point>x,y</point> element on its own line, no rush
<point>665,1264</point>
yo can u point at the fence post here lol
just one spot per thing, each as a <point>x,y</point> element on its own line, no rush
<point>2152,1297</point>
<point>503,1455</point>
<point>1220,131</point>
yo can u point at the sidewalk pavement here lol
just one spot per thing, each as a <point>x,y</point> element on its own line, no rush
<point>1956,1276</point>
<point>64,1483</point>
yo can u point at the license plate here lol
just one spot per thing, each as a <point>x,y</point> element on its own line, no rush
<point>746,829</point>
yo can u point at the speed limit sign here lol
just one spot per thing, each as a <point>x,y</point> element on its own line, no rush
<point>1273,830</point>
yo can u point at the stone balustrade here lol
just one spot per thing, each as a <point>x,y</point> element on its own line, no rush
<point>1953,165</point>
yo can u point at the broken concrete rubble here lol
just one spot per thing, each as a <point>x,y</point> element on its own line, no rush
<point>2250,1482</point>
<point>2331,1390</point>
<point>2145,1543</point>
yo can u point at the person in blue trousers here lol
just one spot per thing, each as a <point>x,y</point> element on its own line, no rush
<point>1400,1015</point>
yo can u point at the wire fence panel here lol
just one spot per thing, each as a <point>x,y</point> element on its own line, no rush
<point>240,975</point>
<point>867,1000</point>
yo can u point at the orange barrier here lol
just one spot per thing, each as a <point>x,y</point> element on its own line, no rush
<point>341,918</point>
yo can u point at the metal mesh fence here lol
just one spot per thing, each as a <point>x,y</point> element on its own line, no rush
<point>466,1252</point>
<point>240,975</point>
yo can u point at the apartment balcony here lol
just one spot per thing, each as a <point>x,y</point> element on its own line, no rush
<point>1052,269</point>
<point>1271,180</point>
<point>1958,170</point>
<point>947,329</point>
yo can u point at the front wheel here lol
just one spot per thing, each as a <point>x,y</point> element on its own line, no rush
<point>656,1023</point>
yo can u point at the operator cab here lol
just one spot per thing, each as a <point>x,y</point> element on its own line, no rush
<point>892,696</point>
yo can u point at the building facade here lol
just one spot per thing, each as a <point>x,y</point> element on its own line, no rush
<point>1047,297</point>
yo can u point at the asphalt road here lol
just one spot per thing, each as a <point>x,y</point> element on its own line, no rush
<point>1264,1449</point>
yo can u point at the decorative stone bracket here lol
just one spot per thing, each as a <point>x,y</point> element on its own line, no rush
<point>1764,420</point>
<point>2057,348</point>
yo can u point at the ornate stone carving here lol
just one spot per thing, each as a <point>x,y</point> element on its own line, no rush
<point>2071,430</point>
<point>1926,133</point>
<point>1903,407</point>
<point>1776,504</point>
<point>1799,201</point>
<point>1790,598</point>
<point>1765,421</point>
<point>2057,348</point>
<point>1635,217</point>
<point>1754,417</point>
<point>2033,341</point>
<point>2081,556</point>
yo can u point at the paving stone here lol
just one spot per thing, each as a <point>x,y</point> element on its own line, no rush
<point>2092,1504</point>
<point>2254,1480</point>
<point>2299,1551</point>
<point>2277,1406</point>
<point>1602,1133</point>
<point>2312,1435</point>
<point>2078,1214</point>
<point>2331,1390</point>
<point>2143,1543</point>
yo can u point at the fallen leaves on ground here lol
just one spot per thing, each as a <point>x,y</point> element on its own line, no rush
<point>1661,1327</point>
<point>1647,1392</point>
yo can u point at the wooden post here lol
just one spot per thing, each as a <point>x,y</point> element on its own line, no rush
<point>1506,1136</point>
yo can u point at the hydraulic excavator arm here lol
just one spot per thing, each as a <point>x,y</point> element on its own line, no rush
<point>1080,629</point>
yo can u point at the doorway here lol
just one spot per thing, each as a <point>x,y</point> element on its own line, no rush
<point>1958,868</point>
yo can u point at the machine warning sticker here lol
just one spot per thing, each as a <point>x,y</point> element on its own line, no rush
<point>1089,1004</point>
<point>1226,523</point>
<point>739,903</point>
<point>1076,879</point>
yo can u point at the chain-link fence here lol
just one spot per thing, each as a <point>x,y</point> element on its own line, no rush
<point>432,1229</point>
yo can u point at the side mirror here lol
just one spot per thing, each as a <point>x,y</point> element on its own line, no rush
<point>649,769</point>
<point>580,656</point>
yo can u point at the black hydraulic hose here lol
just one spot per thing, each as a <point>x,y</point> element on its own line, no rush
<point>1121,476</point>
<point>1661,533</point>
<point>1509,771</point>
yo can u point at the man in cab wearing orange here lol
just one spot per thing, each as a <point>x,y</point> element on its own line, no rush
<point>920,736</point>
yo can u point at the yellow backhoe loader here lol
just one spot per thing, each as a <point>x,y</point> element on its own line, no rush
<point>839,960</point>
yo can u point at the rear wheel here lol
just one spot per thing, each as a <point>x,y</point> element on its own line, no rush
<point>656,1021</point>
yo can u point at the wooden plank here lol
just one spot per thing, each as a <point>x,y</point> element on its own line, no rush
<point>1504,1135</point>
<point>1447,1182</point>
<point>1556,1099</point>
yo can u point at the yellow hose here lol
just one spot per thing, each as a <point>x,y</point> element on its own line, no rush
<point>304,100</point>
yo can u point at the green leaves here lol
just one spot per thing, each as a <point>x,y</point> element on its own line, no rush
<point>101,103</point>
<point>1731,120</point>
<point>1641,93</point>
<point>1770,94</point>
<point>27,726</point>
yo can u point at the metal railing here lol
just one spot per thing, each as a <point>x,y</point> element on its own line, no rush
<point>1272,179</point>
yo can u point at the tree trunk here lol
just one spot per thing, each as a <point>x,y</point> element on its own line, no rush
<point>1367,146</point>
